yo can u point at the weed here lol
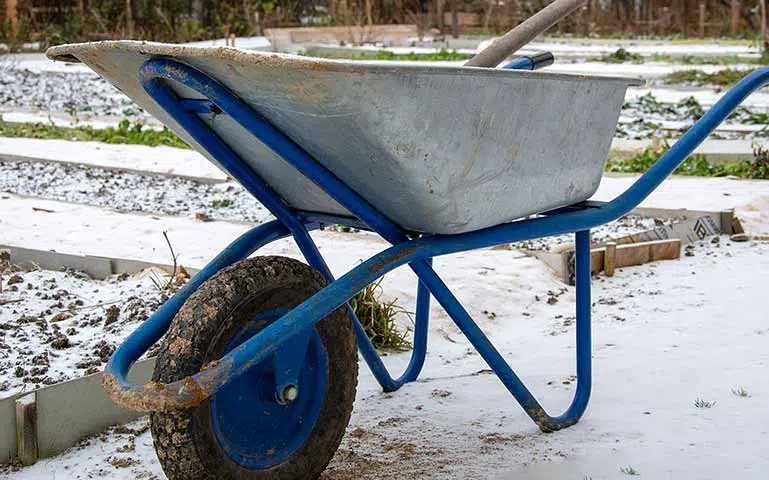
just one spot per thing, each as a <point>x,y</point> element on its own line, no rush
<point>740,392</point>
<point>687,109</point>
<point>629,471</point>
<point>700,403</point>
<point>378,318</point>
<point>168,283</point>
<point>759,167</point>
<point>125,133</point>
<point>694,165</point>
<point>724,77</point>
<point>442,56</point>
<point>705,60</point>
<point>621,56</point>
<point>224,203</point>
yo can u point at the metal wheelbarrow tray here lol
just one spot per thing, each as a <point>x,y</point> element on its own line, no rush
<point>256,376</point>
<point>435,149</point>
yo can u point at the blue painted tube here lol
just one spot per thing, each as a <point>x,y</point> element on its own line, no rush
<point>520,63</point>
<point>531,62</point>
<point>366,348</point>
<point>421,328</point>
<point>227,157</point>
<point>157,324</point>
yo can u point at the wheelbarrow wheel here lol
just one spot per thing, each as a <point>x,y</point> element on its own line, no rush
<point>246,430</point>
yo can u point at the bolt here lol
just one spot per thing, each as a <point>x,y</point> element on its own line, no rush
<point>290,393</point>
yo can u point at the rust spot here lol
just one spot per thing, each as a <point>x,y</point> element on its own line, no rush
<point>210,365</point>
<point>190,387</point>
<point>153,387</point>
<point>382,265</point>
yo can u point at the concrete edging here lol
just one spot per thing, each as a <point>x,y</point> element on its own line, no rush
<point>69,411</point>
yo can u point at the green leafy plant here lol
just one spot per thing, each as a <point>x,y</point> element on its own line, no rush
<point>223,203</point>
<point>694,165</point>
<point>725,77</point>
<point>622,56</point>
<point>378,318</point>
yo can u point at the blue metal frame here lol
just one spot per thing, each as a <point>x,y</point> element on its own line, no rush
<point>416,250</point>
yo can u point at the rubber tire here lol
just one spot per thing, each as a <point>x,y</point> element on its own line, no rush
<point>184,440</point>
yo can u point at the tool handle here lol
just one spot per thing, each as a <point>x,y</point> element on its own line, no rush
<point>527,31</point>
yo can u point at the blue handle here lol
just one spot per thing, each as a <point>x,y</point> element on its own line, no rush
<point>531,62</point>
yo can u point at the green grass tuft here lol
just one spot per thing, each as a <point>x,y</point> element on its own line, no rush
<point>629,471</point>
<point>701,403</point>
<point>442,56</point>
<point>378,318</point>
<point>724,78</point>
<point>125,133</point>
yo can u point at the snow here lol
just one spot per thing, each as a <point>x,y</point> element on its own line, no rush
<point>591,47</point>
<point>39,63</point>
<point>131,192</point>
<point>62,120</point>
<point>648,70</point>
<point>62,325</point>
<point>705,96</point>
<point>161,160</point>
<point>248,43</point>
<point>746,197</point>
<point>663,339</point>
<point>711,147</point>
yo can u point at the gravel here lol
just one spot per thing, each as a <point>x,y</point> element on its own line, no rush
<point>55,326</point>
<point>75,93</point>
<point>131,192</point>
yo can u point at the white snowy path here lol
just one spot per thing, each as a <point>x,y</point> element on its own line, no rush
<point>665,335</point>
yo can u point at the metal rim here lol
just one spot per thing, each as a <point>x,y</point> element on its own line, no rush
<point>249,424</point>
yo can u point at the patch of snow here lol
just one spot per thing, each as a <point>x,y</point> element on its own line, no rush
<point>55,326</point>
<point>131,192</point>
<point>61,120</point>
<point>593,48</point>
<point>248,43</point>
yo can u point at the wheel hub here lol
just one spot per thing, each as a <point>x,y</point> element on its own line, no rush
<point>254,422</point>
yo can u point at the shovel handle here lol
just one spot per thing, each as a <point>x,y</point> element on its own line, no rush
<point>527,31</point>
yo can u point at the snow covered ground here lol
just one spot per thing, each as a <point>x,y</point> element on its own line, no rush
<point>55,326</point>
<point>667,335</point>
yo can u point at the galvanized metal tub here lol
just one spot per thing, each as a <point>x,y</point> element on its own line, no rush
<point>436,149</point>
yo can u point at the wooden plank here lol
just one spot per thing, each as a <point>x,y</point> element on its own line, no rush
<point>26,429</point>
<point>609,259</point>
<point>640,253</point>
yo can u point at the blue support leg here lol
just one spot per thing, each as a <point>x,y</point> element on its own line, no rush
<point>502,369</point>
<point>368,351</point>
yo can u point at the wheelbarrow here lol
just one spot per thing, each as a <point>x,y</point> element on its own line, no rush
<point>257,370</point>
